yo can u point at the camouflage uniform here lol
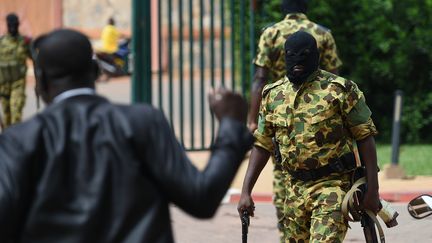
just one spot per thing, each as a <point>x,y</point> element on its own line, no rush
<point>314,125</point>
<point>13,69</point>
<point>271,55</point>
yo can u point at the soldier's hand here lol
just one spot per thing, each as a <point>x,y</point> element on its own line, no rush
<point>371,202</point>
<point>225,103</point>
<point>252,126</point>
<point>246,203</point>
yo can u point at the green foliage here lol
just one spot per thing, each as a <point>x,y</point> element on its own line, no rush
<point>385,45</point>
<point>414,159</point>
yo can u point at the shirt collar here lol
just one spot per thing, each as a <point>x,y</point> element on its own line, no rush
<point>309,79</point>
<point>296,16</point>
<point>73,92</point>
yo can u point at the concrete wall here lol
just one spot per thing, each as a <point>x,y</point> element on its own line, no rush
<point>91,16</point>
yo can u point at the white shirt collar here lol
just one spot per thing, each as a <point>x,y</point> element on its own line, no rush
<point>73,92</point>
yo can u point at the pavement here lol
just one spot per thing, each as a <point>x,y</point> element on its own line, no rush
<point>225,226</point>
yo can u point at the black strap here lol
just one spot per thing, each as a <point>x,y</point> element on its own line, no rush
<point>345,163</point>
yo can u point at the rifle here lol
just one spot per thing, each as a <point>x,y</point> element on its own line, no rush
<point>369,231</point>
<point>245,220</point>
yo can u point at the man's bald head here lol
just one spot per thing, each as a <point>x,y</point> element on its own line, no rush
<point>63,61</point>
<point>63,53</point>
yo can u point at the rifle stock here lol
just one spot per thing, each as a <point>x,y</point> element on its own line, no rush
<point>369,231</point>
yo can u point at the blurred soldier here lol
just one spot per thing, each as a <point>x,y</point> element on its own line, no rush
<point>14,50</point>
<point>270,64</point>
<point>315,117</point>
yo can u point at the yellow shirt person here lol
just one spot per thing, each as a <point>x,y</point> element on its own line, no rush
<point>110,37</point>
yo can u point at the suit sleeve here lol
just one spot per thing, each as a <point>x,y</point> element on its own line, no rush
<point>14,187</point>
<point>197,192</point>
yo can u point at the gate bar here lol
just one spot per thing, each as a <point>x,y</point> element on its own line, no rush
<point>201,34</point>
<point>160,71</point>
<point>232,45</point>
<point>141,49</point>
<point>222,40</point>
<point>170,65</point>
<point>212,64</point>
<point>191,73</point>
<point>181,70</point>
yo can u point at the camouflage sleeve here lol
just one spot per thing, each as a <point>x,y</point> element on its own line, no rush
<point>364,130</point>
<point>358,115</point>
<point>264,133</point>
<point>330,59</point>
<point>262,58</point>
<point>27,43</point>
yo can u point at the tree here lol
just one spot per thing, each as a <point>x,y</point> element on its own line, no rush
<point>385,45</point>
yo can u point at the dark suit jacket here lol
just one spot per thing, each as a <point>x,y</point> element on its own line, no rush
<point>85,170</point>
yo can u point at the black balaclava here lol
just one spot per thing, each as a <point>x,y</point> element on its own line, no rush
<point>12,22</point>
<point>301,56</point>
<point>294,6</point>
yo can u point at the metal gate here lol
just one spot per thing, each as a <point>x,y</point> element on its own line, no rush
<point>194,45</point>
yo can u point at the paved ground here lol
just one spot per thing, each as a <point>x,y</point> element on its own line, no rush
<point>226,227</point>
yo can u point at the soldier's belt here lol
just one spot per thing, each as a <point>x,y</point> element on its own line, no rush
<point>345,163</point>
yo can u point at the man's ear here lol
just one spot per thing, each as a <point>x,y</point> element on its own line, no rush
<point>95,69</point>
<point>40,77</point>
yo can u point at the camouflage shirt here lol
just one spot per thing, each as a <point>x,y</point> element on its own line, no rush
<point>13,54</point>
<point>270,52</point>
<point>315,123</point>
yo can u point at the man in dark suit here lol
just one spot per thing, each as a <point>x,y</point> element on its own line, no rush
<point>86,170</point>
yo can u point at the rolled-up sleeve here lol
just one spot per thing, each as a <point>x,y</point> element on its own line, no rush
<point>357,114</point>
<point>265,131</point>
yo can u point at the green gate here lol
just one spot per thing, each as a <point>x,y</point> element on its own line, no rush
<point>182,48</point>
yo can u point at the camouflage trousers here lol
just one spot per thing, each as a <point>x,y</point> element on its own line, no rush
<point>312,210</point>
<point>12,100</point>
<point>279,198</point>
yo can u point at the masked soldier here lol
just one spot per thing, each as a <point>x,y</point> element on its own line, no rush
<point>270,65</point>
<point>269,61</point>
<point>14,50</point>
<point>315,117</point>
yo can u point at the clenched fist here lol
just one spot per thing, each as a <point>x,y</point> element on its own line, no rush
<point>224,103</point>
